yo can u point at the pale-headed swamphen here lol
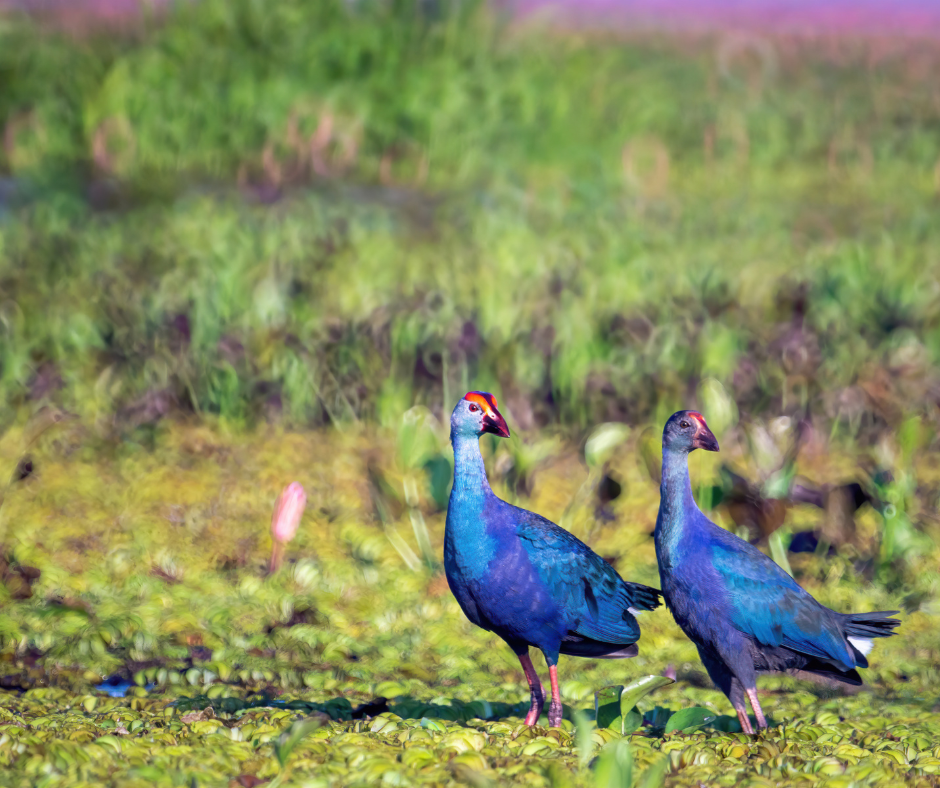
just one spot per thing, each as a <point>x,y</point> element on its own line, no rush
<point>743,612</point>
<point>522,577</point>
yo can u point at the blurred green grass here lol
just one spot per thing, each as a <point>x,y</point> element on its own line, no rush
<point>222,235</point>
<point>589,226</point>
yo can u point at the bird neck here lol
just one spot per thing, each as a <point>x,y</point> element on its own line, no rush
<point>468,548</point>
<point>470,482</point>
<point>676,502</point>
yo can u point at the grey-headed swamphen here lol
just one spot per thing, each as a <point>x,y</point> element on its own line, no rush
<point>743,612</point>
<point>522,577</point>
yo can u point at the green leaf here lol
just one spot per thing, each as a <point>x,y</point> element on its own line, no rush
<point>655,774</point>
<point>778,550</point>
<point>726,724</point>
<point>779,483</point>
<point>716,402</point>
<point>614,767</point>
<point>603,441</point>
<point>615,706</point>
<point>439,472</point>
<point>289,740</point>
<point>691,718</point>
<point>638,689</point>
<point>631,721</point>
<point>584,739</point>
<point>910,436</point>
<point>417,437</point>
<point>112,743</point>
<point>607,706</point>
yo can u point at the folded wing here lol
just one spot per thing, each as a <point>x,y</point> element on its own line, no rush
<point>599,603</point>
<point>769,605</point>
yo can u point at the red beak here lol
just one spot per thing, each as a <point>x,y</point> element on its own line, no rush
<point>705,439</point>
<point>494,423</point>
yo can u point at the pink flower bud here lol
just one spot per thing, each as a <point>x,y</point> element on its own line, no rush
<point>287,513</point>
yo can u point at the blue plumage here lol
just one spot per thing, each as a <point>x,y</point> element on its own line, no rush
<point>522,577</point>
<point>743,612</point>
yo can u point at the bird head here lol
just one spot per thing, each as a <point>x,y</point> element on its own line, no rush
<point>476,414</point>
<point>687,431</point>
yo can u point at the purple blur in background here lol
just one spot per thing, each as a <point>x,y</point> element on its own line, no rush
<point>867,17</point>
<point>916,18</point>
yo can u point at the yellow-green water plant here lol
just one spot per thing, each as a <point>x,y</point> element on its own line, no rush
<point>287,742</point>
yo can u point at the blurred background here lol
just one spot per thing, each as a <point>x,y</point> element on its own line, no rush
<point>247,242</point>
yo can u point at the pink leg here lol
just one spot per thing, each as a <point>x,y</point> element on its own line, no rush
<point>738,700</point>
<point>554,709</point>
<point>744,720</point>
<point>755,704</point>
<point>535,690</point>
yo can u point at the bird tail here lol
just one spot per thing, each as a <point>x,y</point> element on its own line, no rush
<point>825,674</point>
<point>860,628</point>
<point>643,597</point>
<point>596,649</point>
<point>865,626</point>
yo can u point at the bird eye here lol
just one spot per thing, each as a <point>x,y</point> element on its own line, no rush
<point>473,408</point>
<point>684,425</point>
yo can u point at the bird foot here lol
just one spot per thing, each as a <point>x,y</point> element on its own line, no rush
<point>535,710</point>
<point>554,715</point>
<point>758,712</point>
<point>536,691</point>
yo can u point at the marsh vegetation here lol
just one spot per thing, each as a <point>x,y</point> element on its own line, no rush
<point>260,243</point>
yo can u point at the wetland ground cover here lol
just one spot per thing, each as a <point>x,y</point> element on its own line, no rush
<point>272,242</point>
<point>153,566</point>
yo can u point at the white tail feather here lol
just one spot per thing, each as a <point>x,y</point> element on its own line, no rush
<point>862,644</point>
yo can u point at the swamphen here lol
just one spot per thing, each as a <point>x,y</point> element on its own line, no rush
<point>743,612</point>
<point>522,577</point>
